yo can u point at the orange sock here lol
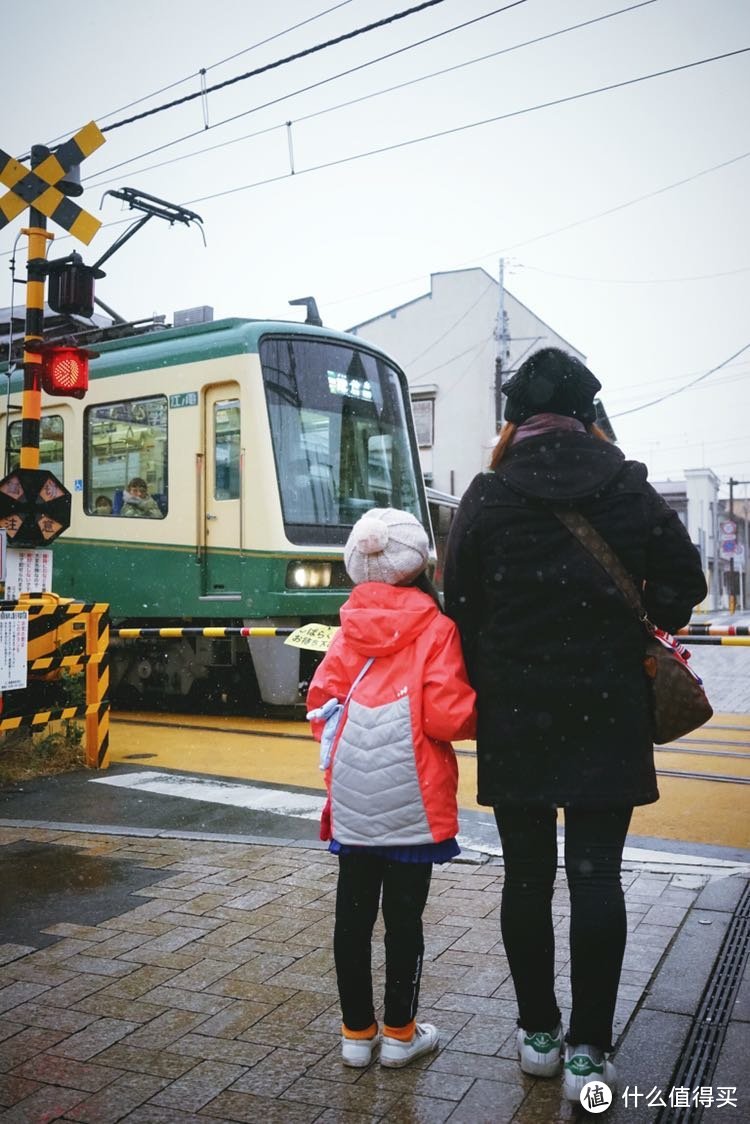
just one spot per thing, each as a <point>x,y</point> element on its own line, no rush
<point>369,1033</point>
<point>402,1033</point>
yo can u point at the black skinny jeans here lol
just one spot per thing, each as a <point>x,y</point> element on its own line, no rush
<point>405,887</point>
<point>594,841</point>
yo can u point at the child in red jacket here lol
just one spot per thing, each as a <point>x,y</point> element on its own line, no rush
<point>395,679</point>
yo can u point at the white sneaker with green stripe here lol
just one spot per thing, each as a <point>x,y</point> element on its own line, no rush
<point>540,1053</point>
<point>584,1064</point>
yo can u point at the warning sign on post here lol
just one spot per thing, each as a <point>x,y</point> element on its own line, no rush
<point>27,571</point>
<point>14,644</point>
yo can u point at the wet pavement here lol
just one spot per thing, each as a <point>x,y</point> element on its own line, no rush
<point>184,976</point>
<point>169,961</point>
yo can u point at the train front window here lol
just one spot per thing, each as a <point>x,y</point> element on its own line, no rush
<point>340,437</point>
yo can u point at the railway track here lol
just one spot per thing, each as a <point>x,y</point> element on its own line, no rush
<point>694,745</point>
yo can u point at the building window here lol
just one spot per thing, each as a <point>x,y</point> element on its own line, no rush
<point>126,444</point>
<point>50,444</point>
<point>423,410</point>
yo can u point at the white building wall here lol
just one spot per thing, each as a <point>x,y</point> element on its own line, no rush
<point>446,341</point>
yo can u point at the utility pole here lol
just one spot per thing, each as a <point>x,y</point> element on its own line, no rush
<point>501,338</point>
<point>732,598</point>
<point>732,594</point>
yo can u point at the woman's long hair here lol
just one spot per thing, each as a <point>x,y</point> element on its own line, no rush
<point>508,432</point>
<point>423,582</point>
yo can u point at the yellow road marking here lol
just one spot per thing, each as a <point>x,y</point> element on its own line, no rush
<point>689,810</point>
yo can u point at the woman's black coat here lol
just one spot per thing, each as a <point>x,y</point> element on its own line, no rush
<point>552,648</point>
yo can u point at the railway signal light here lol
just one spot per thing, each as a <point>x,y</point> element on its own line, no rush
<point>65,371</point>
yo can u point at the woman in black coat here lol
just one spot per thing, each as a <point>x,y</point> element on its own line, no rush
<point>555,655</point>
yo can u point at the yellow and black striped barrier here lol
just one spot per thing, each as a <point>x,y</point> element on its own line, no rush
<point>729,635</point>
<point>44,717</point>
<point>314,637</point>
<point>54,624</point>
<point>715,630</point>
<point>216,633</point>
<point>725,641</point>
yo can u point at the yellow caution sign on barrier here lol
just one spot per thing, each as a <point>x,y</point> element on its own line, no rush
<point>314,637</point>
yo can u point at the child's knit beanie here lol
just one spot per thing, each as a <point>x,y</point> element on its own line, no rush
<point>386,545</point>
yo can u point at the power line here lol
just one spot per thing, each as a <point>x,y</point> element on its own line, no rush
<point>491,121</point>
<point>680,389</point>
<point>548,234</point>
<point>280,62</point>
<point>365,97</point>
<point>212,66</point>
<point>293,93</point>
<point>638,280</point>
<point>739,372</point>
<point>448,331</point>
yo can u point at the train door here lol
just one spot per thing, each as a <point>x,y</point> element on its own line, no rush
<point>222,506</point>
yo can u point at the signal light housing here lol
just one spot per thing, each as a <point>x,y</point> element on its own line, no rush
<point>65,371</point>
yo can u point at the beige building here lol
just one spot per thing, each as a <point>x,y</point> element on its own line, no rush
<point>448,342</point>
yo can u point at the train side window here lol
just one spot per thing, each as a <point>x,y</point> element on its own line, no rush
<point>51,444</point>
<point>227,450</point>
<point>126,445</point>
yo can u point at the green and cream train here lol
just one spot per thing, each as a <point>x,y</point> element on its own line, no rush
<point>261,444</point>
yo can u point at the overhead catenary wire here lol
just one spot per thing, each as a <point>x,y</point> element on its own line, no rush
<point>494,253</point>
<point>212,66</point>
<point>358,100</point>
<point>305,53</point>
<point>491,121</point>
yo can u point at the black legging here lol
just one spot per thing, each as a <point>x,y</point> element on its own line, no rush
<point>405,888</point>
<point>594,841</point>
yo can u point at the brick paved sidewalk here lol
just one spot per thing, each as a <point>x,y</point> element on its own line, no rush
<point>214,997</point>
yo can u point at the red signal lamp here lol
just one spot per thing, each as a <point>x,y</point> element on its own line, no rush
<point>65,371</point>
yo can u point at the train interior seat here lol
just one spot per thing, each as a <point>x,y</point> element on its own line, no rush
<point>160,497</point>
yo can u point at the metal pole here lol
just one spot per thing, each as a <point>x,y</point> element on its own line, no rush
<point>745,568</point>
<point>500,348</point>
<point>732,597</point>
<point>31,409</point>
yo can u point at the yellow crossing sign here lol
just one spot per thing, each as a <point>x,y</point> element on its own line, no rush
<point>36,187</point>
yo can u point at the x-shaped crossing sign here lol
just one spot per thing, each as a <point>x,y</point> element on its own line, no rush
<point>36,187</point>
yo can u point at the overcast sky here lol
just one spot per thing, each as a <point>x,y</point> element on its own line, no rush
<point>618,223</point>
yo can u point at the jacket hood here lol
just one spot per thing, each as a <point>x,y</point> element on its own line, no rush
<point>560,466</point>
<point>378,619</point>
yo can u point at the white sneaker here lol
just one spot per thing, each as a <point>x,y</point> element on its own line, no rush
<point>540,1053</point>
<point>394,1052</point>
<point>357,1052</point>
<point>584,1064</point>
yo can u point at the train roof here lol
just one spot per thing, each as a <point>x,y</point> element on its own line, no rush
<point>170,346</point>
<point>196,342</point>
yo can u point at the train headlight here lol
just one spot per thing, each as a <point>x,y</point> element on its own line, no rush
<point>308,575</point>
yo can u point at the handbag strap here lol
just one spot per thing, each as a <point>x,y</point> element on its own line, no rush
<point>593,542</point>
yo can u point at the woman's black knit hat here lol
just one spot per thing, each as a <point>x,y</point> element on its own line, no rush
<point>551,382</point>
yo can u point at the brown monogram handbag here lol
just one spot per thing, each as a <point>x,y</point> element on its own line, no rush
<point>678,702</point>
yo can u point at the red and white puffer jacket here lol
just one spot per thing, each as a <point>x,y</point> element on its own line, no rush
<point>393,775</point>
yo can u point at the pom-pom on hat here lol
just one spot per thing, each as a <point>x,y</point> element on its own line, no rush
<point>551,382</point>
<point>386,545</point>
